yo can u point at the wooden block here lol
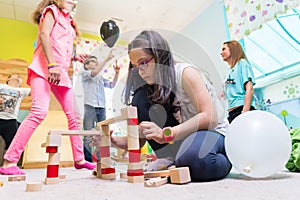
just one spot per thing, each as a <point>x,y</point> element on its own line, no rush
<point>123,175</point>
<point>53,140</point>
<point>17,178</point>
<point>135,179</point>
<point>98,170</point>
<point>105,141</point>
<point>110,121</point>
<point>134,166</point>
<point>180,175</point>
<point>133,137</point>
<point>129,112</point>
<point>108,176</point>
<point>105,137</point>
<point>162,173</point>
<point>54,159</point>
<point>106,162</point>
<point>155,182</point>
<point>105,130</point>
<point>50,149</point>
<point>1,183</point>
<point>76,132</point>
<point>104,151</point>
<point>134,155</point>
<point>34,186</point>
<point>51,181</point>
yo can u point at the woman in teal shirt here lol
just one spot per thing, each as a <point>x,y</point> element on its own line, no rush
<point>239,80</point>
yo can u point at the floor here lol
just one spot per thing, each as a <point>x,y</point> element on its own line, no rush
<point>81,185</point>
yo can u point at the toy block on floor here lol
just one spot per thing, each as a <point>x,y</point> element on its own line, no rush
<point>180,175</point>
<point>123,175</point>
<point>155,182</point>
<point>17,178</point>
<point>154,174</point>
<point>135,179</point>
<point>104,169</point>
<point>34,186</point>
<point>51,181</point>
<point>1,183</point>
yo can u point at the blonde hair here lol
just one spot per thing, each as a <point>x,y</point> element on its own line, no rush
<point>37,13</point>
<point>236,51</point>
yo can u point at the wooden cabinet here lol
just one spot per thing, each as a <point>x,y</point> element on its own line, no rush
<point>34,155</point>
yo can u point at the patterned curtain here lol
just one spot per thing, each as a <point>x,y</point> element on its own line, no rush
<point>245,16</point>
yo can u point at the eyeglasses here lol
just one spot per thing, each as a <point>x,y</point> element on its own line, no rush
<point>143,65</point>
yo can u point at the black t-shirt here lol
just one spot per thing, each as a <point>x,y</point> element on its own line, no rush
<point>148,111</point>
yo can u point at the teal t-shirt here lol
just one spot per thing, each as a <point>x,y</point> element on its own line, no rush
<point>235,80</point>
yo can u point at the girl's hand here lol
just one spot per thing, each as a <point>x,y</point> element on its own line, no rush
<point>54,75</point>
<point>152,132</point>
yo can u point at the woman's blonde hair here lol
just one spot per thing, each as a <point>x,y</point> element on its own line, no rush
<point>37,13</point>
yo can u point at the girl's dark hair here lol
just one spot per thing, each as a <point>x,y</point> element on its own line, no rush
<point>153,43</point>
<point>134,81</point>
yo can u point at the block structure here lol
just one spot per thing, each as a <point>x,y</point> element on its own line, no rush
<point>135,171</point>
<point>104,169</point>
<point>53,141</point>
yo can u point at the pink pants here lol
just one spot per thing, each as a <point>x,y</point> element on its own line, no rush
<point>40,92</point>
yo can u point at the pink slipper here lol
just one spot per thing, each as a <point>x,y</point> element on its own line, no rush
<point>86,165</point>
<point>13,170</point>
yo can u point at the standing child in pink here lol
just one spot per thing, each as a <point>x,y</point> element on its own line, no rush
<point>49,72</point>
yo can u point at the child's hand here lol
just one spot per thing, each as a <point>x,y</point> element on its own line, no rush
<point>54,75</point>
<point>116,67</point>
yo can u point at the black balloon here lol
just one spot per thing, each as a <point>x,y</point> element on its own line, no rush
<point>109,32</point>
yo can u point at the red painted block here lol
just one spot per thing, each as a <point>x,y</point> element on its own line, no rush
<point>50,149</point>
<point>135,172</point>
<point>132,121</point>
<point>104,152</point>
<point>134,155</point>
<point>52,171</point>
<point>108,171</point>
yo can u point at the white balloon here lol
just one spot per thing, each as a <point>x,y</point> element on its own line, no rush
<point>258,144</point>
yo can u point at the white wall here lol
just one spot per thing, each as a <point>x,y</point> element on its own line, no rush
<point>201,42</point>
<point>282,91</point>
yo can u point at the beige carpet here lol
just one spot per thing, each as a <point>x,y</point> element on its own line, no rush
<point>81,185</point>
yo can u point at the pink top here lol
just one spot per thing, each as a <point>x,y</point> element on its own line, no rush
<point>62,38</point>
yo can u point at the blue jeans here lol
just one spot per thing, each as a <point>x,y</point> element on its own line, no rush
<point>204,153</point>
<point>92,115</point>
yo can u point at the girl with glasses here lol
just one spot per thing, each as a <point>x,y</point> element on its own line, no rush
<point>196,139</point>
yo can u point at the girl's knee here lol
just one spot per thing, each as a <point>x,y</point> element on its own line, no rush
<point>38,115</point>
